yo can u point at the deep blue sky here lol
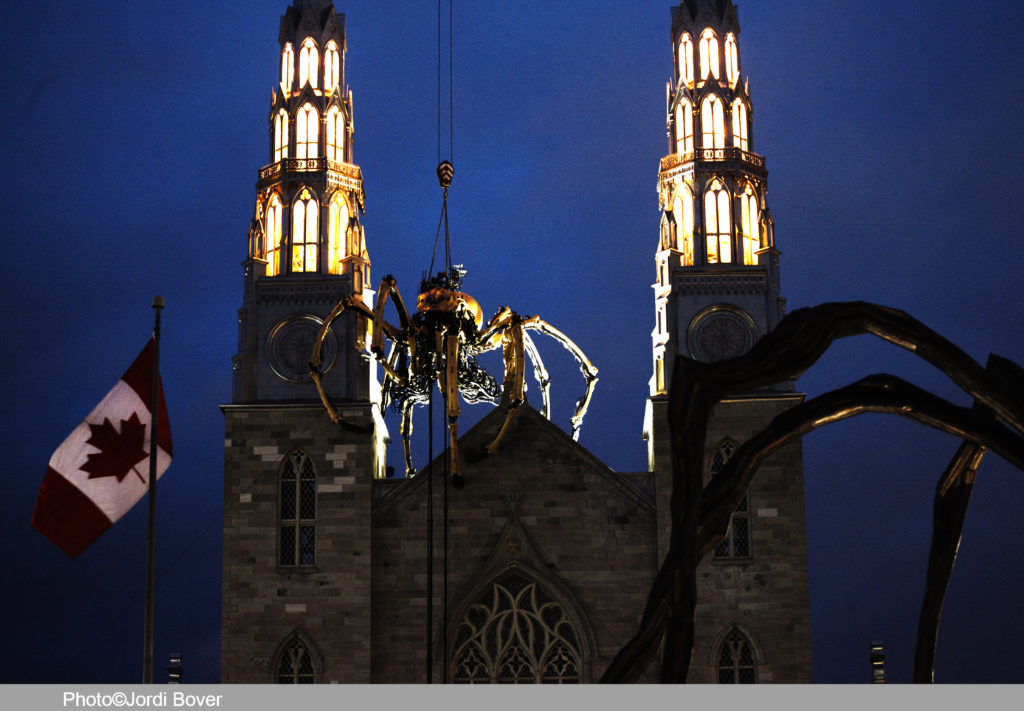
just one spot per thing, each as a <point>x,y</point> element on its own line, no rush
<point>132,134</point>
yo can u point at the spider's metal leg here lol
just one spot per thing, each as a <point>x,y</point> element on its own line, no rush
<point>586,367</point>
<point>381,328</point>
<point>451,401</point>
<point>513,352</point>
<point>410,470</point>
<point>316,357</point>
<point>540,373</point>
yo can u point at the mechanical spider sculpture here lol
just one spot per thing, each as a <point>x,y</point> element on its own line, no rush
<point>441,341</point>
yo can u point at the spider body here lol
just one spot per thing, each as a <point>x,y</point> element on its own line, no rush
<point>440,343</point>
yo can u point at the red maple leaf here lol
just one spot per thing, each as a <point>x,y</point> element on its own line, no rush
<point>119,451</point>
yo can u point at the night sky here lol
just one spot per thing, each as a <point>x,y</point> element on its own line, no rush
<point>132,134</point>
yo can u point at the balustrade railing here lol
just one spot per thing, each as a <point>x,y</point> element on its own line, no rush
<point>307,165</point>
<point>712,154</point>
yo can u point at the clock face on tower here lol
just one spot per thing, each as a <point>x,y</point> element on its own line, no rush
<point>290,345</point>
<point>720,332</point>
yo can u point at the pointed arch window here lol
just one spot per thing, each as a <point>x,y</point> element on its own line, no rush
<point>732,60</point>
<point>309,63</point>
<point>298,511</point>
<point>709,55</point>
<point>307,132</point>
<point>332,67</point>
<point>718,223</point>
<point>338,222</point>
<point>287,69</point>
<point>296,664</point>
<point>712,122</point>
<point>515,633</point>
<point>739,125</point>
<point>683,213</point>
<point>280,135</point>
<point>750,225</point>
<point>684,127</point>
<point>272,230</point>
<point>304,232</point>
<point>736,664</point>
<point>335,134</point>
<point>686,60</point>
<point>736,543</point>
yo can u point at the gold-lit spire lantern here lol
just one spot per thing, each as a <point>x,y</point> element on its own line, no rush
<point>310,194</point>
<point>716,261</point>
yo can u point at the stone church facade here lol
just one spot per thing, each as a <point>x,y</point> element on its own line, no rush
<point>552,554</point>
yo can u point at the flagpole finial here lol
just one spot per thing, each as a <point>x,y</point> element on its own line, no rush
<point>158,302</point>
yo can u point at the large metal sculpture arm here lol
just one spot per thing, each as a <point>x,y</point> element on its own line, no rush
<point>586,368</point>
<point>798,341</point>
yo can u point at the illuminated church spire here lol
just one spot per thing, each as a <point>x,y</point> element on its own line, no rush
<point>310,194</point>
<point>717,286</point>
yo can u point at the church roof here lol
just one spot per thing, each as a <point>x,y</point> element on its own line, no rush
<point>532,446</point>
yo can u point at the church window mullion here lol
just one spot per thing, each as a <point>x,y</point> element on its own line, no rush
<point>297,511</point>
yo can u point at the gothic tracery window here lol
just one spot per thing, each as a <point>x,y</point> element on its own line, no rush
<point>296,664</point>
<point>515,633</point>
<point>732,60</point>
<point>736,543</point>
<point>708,55</point>
<point>305,232</point>
<point>309,63</point>
<point>718,223</point>
<point>712,122</point>
<point>683,213</point>
<point>281,135</point>
<point>298,511</point>
<point>739,125</point>
<point>750,225</point>
<point>336,233</point>
<point>736,664</point>
<point>684,127</point>
<point>332,67</point>
<point>686,60</point>
<point>272,230</point>
<point>335,134</point>
<point>307,132</point>
<point>287,69</point>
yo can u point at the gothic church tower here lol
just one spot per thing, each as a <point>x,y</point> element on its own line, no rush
<point>716,293</point>
<point>296,486</point>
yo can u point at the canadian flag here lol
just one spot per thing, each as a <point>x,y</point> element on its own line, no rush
<point>102,468</point>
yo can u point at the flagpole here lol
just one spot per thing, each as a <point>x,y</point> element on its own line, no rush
<point>147,664</point>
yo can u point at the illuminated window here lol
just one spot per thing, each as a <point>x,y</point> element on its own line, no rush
<point>335,134</point>
<point>304,232</point>
<point>712,122</point>
<point>736,663</point>
<point>749,224</point>
<point>718,223</point>
<point>515,633</point>
<point>309,62</point>
<point>732,60</point>
<point>684,127</point>
<point>298,510</point>
<point>336,233</point>
<point>686,60</point>
<point>739,125</point>
<point>683,212</point>
<point>332,67</point>
<point>307,125</point>
<point>272,229</point>
<point>287,69</point>
<point>708,55</point>
<point>296,663</point>
<point>281,135</point>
